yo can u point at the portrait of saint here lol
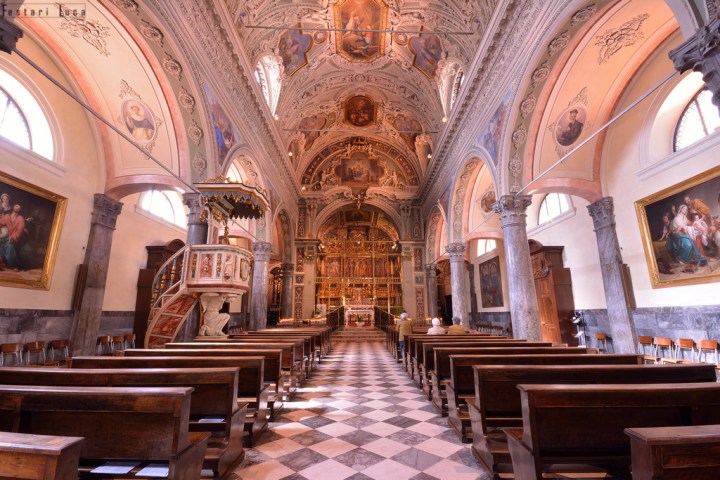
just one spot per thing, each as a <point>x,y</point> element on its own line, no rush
<point>487,201</point>
<point>428,51</point>
<point>570,125</point>
<point>359,111</point>
<point>293,47</point>
<point>139,120</point>
<point>491,284</point>
<point>358,22</point>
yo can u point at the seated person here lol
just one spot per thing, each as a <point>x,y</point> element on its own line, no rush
<point>456,328</point>
<point>436,328</point>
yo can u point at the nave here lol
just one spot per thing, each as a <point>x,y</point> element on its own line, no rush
<point>359,416</point>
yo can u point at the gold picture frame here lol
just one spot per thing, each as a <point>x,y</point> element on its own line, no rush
<point>31,220</point>
<point>680,228</point>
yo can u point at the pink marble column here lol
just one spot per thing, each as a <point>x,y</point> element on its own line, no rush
<point>259,299</point>
<point>521,284</point>
<point>431,277</point>
<point>622,326</point>
<point>457,281</point>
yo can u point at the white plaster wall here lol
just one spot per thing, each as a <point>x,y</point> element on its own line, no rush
<point>575,232</point>
<point>77,178</point>
<point>624,160</point>
<point>134,231</point>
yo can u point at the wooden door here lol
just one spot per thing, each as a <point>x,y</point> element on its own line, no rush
<point>547,305</point>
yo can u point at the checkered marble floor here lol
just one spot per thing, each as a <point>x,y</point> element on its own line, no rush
<point>359,416</point>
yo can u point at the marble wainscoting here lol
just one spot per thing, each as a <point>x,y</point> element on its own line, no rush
<point>24,325</point>
<point>500,319</point>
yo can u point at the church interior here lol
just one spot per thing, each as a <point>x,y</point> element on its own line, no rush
<point>543,171</point>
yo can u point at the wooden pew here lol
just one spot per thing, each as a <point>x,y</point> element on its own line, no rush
<point>664,453</point>
<point>291,357</point>
<point>251,387</point>
<point>213,407</point>
<point>272,377</point>
<point>147,425</point>
<point>441,375</point>
<point>420,347</point>
<point>306,350</point>
<point>495,401</point>
<point>410,351</point>
<point>39,457</point>
<point>426,353</point>
<point>584,424</point>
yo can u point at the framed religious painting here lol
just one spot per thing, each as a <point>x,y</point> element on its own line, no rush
<point>31,219</point>
<point>680,228</point>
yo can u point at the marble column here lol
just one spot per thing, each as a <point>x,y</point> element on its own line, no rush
<point>701,53</point>
<point>457,281</point>
<point>86,322</point>
<point>197,224</point>
<point>521,284</point>
<point>473,294</point>
<point>259,299</point>
<point>286,293</point>
<point>622,326</point>
<point>431,278</point>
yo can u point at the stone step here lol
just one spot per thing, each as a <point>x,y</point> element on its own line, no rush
<point>360,334</point>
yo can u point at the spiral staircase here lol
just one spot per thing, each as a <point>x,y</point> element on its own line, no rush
<point>192,271</point>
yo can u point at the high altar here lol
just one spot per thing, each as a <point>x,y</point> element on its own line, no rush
<point>365,312</point>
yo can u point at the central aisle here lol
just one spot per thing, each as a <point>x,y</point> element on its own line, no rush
<point>359,416</point>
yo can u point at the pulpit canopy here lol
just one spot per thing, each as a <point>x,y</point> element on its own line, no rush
<point>234,200</point>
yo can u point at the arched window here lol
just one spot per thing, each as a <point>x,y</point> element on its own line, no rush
<point>699,119</point>
<point>13,125</point>
<point>552,206</point>
<point>22,120</point>
<point>164,204</point>
<point>485,245</point>
<point>233,174</point>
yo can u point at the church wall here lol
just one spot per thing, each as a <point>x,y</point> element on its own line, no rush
<point>493,315</point>
<point>77,177</point>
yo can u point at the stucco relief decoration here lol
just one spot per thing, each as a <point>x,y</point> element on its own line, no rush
<point>195,132</point>
<point>417,259</point>
<point>558,43</point>
<point>89,30</point>
<point>712,8</point>
<point>540,74</point>
<point>199,163</point>
<point>299,259</point>
<point>614,39</point>
<point>519,136</point>
<point>298,301</point>
<point>416,224</point>
<point>360,110</point>
<point>151,33</point>
<point>528,105</point>
<point>583,15</point>
<point>358,38</point>
<point>172,66</point>
<point>127,5</point>
<point>186,100</point>
<point>293,47</point>
<point>428,51</point>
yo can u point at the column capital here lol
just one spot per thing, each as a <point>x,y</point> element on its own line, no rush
<point>195,208</point>
<point>512,209</point>
<point>602,213</point>
<point>456,251</point>
<point>431,270</point>
<point>288,268</point>
<point>9,35</point>
<point>701,53</point>
<point>105,211</point>
<point>261,248</point>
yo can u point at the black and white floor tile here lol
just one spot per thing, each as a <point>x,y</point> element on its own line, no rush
<point>359,417</point>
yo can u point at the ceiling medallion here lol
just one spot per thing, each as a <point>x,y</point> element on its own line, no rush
<point>361,24</point>
<point>360,110</point>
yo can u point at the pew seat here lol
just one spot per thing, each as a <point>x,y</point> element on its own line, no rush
<point>155,424</point>
<point>556,427</point>
<point>39,457</point>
